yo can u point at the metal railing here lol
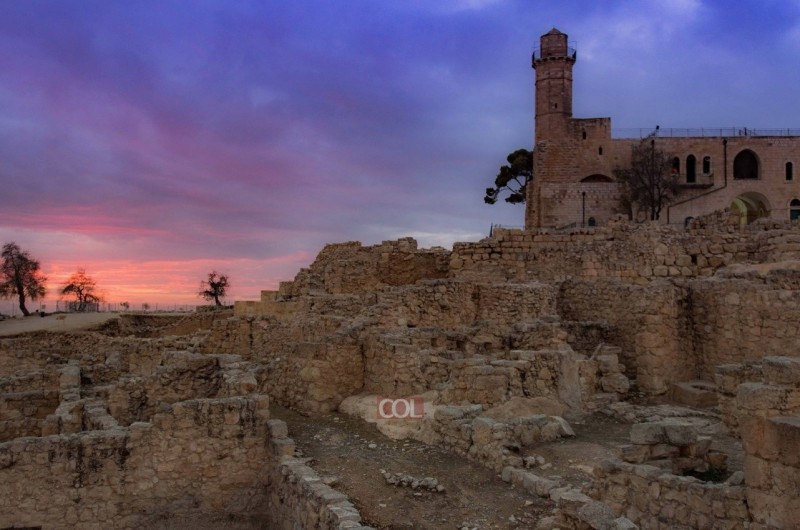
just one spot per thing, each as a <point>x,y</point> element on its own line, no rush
<point>572,53</point>
<point>703,132</point>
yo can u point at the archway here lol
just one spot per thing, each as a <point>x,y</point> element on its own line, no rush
<point>750,206</point>
<point>597,177</point>
<point>745,165</point>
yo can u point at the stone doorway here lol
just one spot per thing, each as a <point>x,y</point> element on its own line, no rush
<point>750,206</point>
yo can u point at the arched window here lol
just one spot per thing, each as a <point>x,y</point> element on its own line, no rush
<point>583,134</point>
<point>676,166</point>
<point>600,150</point>
<point>592,221</point>
<point>706,165</point>
<point>745,165</point>
<point>794,209</point>
<point>789,171</point>
<point>691,169</point>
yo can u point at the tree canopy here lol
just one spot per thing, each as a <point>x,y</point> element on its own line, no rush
<point>513,178</point>
<point>214,288</point>
<point>20,276</point>
<point>83,288</point>
<point>649,183</point>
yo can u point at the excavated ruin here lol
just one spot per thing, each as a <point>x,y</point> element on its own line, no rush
<point>627,376</point>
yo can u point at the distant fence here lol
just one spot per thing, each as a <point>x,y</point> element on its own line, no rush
<point>701,132</point>
<point>494,227</point>
<point>11,308</point>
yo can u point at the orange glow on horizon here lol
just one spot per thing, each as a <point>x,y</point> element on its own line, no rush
<point>172,282</point>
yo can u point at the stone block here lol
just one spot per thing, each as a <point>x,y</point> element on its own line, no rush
<point>608,363</point>
<point>758,437</point>
<point>777,512</point>
<point>679,433</point>
<point>623,523</point>
<point>648,433</point>
<point>278,429</point>
<point>781,370</point>
<point>784,431</point>
<point>760,397</point>
<point>70,376</point>
<point>570,500</point>
<point>701,446</point>
<point>663,451</point>
<point>482,431</point>
<point>537,485</point>
<point>699,394</point>
<point>283,447</point>
<point>617,383</point>
<point>598,515</point>
<point>635,454</point>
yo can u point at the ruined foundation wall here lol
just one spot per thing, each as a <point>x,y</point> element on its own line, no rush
<point>657,500</point>
<point>647,322</point>
<point>633,253</point>
<point>345,268</point>
<point>743,319</point>
<point>769,419</point>
<point>297,497</point>
<point>201,456</point>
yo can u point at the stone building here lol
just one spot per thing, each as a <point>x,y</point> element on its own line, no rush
<point>752,172</point>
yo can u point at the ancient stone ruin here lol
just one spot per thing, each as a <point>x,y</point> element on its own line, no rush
<point>626,376</point>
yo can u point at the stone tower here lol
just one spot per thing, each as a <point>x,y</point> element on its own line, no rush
<point>553,63</point>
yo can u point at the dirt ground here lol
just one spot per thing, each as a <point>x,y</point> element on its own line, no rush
<point>55,322</point>
<point>354,453</point>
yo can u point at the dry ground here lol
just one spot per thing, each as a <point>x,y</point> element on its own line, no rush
<point>54,322</point>
<point>354,452</point>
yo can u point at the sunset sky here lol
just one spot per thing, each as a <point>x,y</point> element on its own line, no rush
<point>153,141</point>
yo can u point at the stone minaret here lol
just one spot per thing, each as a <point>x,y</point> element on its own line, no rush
<point>553,64</point>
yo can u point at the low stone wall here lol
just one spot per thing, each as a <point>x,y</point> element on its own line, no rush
<point>195,457</point>
<point>727,378</point>
<point>22,413</point>
<point>464,430</point>
<point>632,253</point>
<point>656,500</point>
<point>647,322</point>
<point>351,268</point>
<point>772,471</point>
<point>297,497</point>
<point>744,317</point>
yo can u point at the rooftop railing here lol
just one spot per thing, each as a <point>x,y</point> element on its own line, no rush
<point>703,132</point>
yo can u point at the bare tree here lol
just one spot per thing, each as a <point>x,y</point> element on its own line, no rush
<point>20,276</point>
<point>649,183</point>
<point>214,288</point>
<point>83,288</point>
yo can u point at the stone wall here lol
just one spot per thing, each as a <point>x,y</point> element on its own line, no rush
<point>649,323</point>
<point>659,293</point>
<point>344,268</point>
<point>297,497</point>
<point>657,500</point>
<point>769,419</point>
<point>744,317</point>
<point>194,457</point>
